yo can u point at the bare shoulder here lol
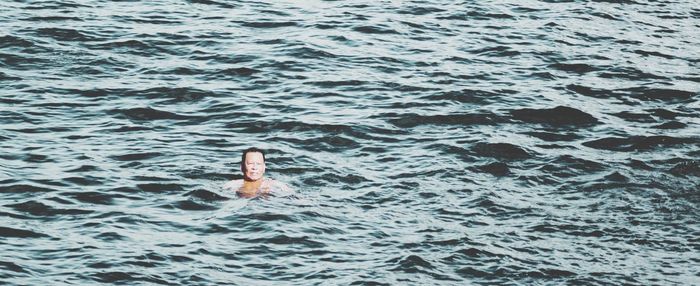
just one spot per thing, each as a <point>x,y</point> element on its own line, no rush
<point>234,184</point>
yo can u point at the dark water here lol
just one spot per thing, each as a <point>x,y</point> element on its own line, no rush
<point>430,142</point>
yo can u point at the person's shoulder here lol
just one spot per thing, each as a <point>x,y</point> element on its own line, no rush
<point>233,184</point>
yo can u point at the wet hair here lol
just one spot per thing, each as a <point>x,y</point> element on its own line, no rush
<point>250,150</point>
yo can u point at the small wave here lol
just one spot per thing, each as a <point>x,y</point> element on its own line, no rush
<point>40,209</point>
<point>354,131</point>
<point>302,241</point>
<point>569,166</point>
<point>496,51</point>
<point>605,16</point>
<point>471,272</point>
<point>158,187</point>
<point>496,168</point>
<point>84,181</point>
<point>652,53</point>
<point>148,113</point>
<point>268,216</point>
<point>110,236</point>
<point>220,4</point>
<point>413,120</point>
<point>575,68</point>
<point>411,263</point>
<point>347,180</point>
<point>4,76</point>
<point>21,233</point>
<point>630,74</point>
<point>11,266</point>
<point>206,195</point>
<point>589,91</point>
<point>641,93</point>
<point>136,47</point>
<point>687,168</point>
<point>93,197</point>
<point>170,94</point>
<point>661,94</point>
<point>190,205</point>
<point>635,117</point>
<point>554,137</point>
<point>557,116</point>
<point>23,188</point>
<point>136,156</point>
<point>150,19</point>
<point>65,34</point>
<point>665,113</point>
<point>113,277</point>
<point>616,177</point>
<point>637,143</point>
<point>129,129</point>
<point>671,125</point>
<point>333,84</point>
<point>332,143</point>
<point>470,95</point>
<point>417,10</point>
<point>374,30</point>
<point>477,16</point>
<point>550,272</point>
<point>19,62</point>
<point>303,53</point>
<point>501,151</point>
<point>269,25</point>
<point>43,19</point>
<point>236,72</point>
<point>10,41</point>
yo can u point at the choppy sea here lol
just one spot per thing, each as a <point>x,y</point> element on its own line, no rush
<point>428,142</point>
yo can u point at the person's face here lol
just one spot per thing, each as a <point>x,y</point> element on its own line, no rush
<point>254,166</point>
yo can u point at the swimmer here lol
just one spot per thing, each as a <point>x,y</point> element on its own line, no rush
<point>254,183</point>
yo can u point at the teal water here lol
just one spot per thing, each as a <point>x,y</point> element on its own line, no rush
<point>429,143</point>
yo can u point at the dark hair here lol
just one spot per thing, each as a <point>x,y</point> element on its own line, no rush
<point>250,150</point>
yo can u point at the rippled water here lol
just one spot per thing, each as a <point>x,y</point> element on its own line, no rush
<point>429,142</point>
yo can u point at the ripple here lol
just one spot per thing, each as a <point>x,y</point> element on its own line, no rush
<point>24,188</point>
<point>21,233</point>
<point>40,209</point>
<point>12,267</point>
<point>637,143</point>
<point>575,68</point>
<point>560,115</point>
<point>375,30</point>
<point>687,168</point>
<point>500,150</point>
<point>137,156</point>
<point>268,25</point>
<point>413,120</point>
<point>496,169</point>
<point>65,34</point>
<point>148,113</point>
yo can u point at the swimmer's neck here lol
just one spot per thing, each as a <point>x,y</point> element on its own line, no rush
<point>250,185</point>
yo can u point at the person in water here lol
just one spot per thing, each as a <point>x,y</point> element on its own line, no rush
<point>254,183</point>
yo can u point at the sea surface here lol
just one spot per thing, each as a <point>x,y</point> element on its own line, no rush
<point>515,142</point>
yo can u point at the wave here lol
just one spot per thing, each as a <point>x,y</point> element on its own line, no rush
<point>557,116</point>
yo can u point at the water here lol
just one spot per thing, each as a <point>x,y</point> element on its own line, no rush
<point>429,142</point>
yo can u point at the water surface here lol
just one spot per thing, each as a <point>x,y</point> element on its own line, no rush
<point>429,142</point>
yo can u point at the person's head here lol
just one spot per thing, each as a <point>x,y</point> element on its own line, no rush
<point>253,164</point>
